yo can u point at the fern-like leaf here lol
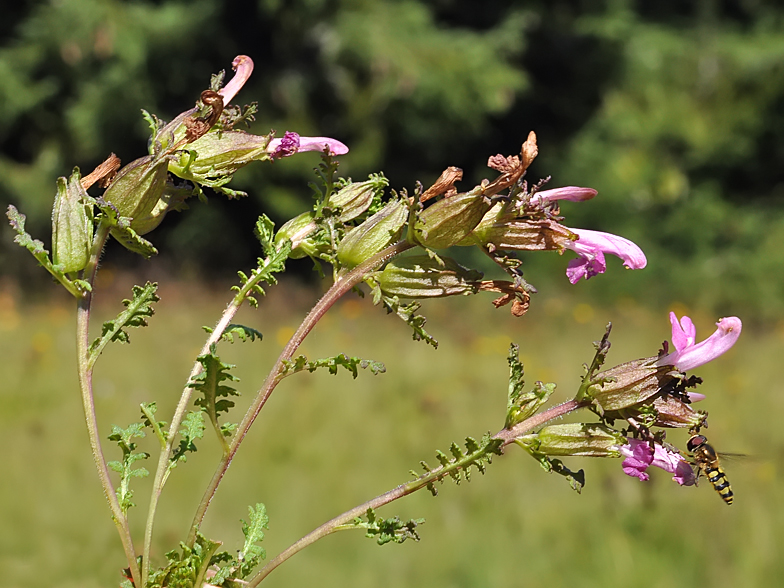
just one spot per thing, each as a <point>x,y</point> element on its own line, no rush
<point>407,312</point>
<point>387,530</point>
<point>123,438</point>
<point>242,332</point>
<point>17,220</point>
<point>137,311</point>
<point>458,467</point>
<point>352,364</point>
<point>188,567</point>
<point>192,428</point>
<point>211,383</point>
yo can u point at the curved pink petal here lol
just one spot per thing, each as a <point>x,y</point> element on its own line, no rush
<point>639,457</point>
<point>684,333</point>
<point>727,332</point>
<point>591,247</point>
<point>573,193</point>
<point>243,65</point>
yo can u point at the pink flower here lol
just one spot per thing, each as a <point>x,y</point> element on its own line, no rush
<point>292,143</point>
<point>243,65</point>
<point>640,456</point>
<point>573,193</point>
<point>591,247</point>
<point>688,354</point>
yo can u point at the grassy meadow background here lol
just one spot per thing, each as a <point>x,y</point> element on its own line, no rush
<point>325,443</point>
<point>673,111</point>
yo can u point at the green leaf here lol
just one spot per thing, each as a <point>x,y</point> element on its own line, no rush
<point>192,428</point>
<point>458,467</point>
<point>407,312</point>
<point>352,364</point>
<point>520,405</point>
<point>275,262</point>
<point>242,332</point>
<point>387,530</point>
<point>123,438</point>
<point>210,382</point>
<point>188,568</point>
<point>17,221</point>
<point>576,479</point>
<point>265,233</point>
<point>137,311</point>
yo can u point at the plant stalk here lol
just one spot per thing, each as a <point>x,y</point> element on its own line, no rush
<point>338,288</point>
<point>506,435</point>
<point>88,402</point>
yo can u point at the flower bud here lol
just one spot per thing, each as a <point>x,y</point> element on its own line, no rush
<point>576,439</point>
<point>72,224</point>
<point>373,235</point>
<point>356,197</point>
<point>299,231</point>
<point>449,220</point>
<point>137,189</point>
<point>419,276</point>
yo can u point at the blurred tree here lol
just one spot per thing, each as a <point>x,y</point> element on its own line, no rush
<point>672,110</point>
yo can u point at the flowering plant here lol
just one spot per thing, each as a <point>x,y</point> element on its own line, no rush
<point>392,245</point>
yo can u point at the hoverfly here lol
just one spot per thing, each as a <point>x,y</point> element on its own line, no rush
<point>707,460</point>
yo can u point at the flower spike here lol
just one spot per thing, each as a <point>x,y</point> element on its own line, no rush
<point>591,247</point>
<point>688,354</point>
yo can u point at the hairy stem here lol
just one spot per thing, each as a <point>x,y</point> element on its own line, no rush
<point>338,288</point>
<point>506,435</point>
<point>164,464</point>
<point>86,385</point>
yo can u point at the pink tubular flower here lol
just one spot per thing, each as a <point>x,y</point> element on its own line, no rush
<point>639,457</point>
<point>292,143</point>
<point>688,354</point>
<point>591,247</point>
<point>573,193</point>
<point>243,65</point>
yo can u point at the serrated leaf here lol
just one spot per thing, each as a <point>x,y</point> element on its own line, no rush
<point>242,332</point>
<point>407,312</point>
<point>215,394</point>
<point>385,531</point>
<point>352,364</point>
<point>123,438</point>
<point>36,248</point>
<point>192,428</point>
<point>265,233</point>
<point>136,313</point>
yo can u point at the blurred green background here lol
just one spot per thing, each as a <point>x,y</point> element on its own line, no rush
<point>672,110</point>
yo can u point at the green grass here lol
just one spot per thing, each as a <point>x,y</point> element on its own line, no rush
<point>325,443</point>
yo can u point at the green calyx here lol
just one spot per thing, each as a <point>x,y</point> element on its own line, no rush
<point>377,232</point>
<point>72,224</point>
<point>500,229</point>
<point>355,198</point>
<point>300,231</point>
<point>575,439</point>
<point>451,219</point>
<point>628,384</point>
<point>136,191</point>
<point>212,159</point>
<point>420,276</point>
